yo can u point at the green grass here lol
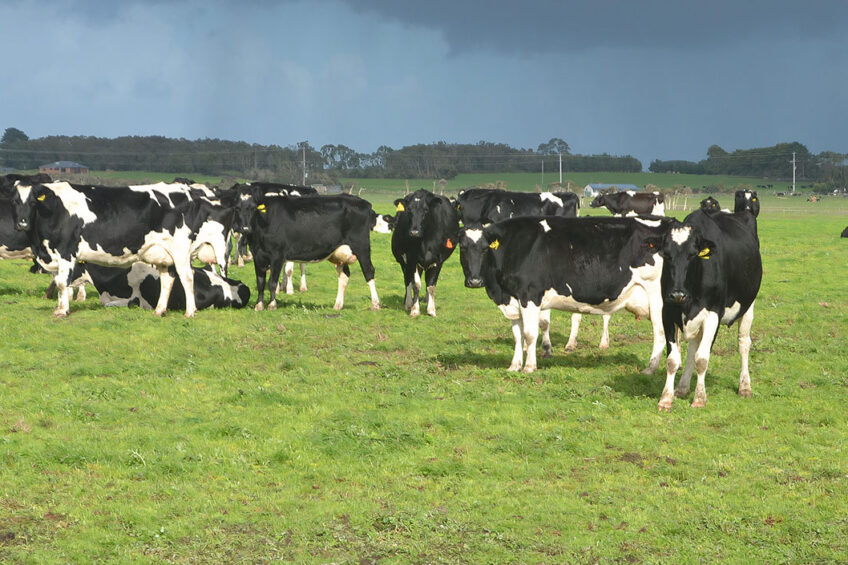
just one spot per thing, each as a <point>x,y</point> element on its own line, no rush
<point>311,436</point>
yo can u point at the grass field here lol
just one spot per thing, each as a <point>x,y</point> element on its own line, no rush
<point>311,436</point>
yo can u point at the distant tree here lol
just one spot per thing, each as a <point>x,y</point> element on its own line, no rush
<point>13,135</point>
<point>554,147</point>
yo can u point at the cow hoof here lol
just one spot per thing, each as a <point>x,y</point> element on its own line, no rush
<point>681,392</point>
<point>569,347</point>
<point>698,403</point>
<point>337,306</point>
<point>273,305</point>
<point>290,292</point>
<point>159,313</point>
<point>603,346</point>
<point>431,313</point>
<point>189,314</point>
<point>664,406</point>
<point>375,307</point>
<point>259,307</point>
<point>414,314</point>
<point>303,288</point>
<point>745,392</point>
<point>547,351</point>
<point>514,368</point>
<point>60,314</point>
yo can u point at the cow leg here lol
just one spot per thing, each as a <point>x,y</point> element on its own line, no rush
<point>655,313</point>
<point>81,293</point>
<point>367,267</point>
<point>545,327</point>
<point>415,309</point>
<point>186,274</point>
<point>50,293</point>
<point>273,277</point>
<point>572,337</point>
<point>530,322</point>
<point>431,276</point>
<point>702,359</point>
<point>683,384</point>
<point>288,276</point>
<point>166,283</point>
<point>744,349</point>
<point>344,276</point>
<point>303,277</point>
<point>260,286</point>
<point>672,364</point>
<point>518,351</point>
<point>62,278</point>
<point>605,341</point>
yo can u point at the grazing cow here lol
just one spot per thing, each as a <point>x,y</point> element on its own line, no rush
<point>589,265</point>
<point>425,234</point>
<point>712,271</point>
<point>139,286</point>
<point>117,226</point>
<point>480,206</point>
<point>630,203</point>
<point>307,230</point>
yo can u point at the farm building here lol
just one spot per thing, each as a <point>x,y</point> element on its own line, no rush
<point>595,188</point>
<point>63,167</point>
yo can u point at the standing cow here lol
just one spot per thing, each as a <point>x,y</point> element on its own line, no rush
<point>712,272</point>
<point>425,234</point>
<point>631,203</point>
<point>590,265</point>
<point>308,230</point>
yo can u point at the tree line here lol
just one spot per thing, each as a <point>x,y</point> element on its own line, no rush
<point>237,158</point>
<point>433,160</point>
<point>773,162</point>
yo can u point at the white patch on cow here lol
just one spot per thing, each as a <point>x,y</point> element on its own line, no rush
<point>294,193</point>
<point>381,226</point>
<point>343,255</point>
<point>244,197</point>
<point>730,313</point>
<point>498,208</point>
<point>631,213</point>
<point>545,226</point>
<point>570,290</point>
<point>210,243</point>
<point>230,291</point>
<point>23,190</point>
<point>474,235</point>
<point>681,235</point>
<point>631,193</point>
<point>658,209</point>
<point>73,200</point>
<point>549,196</point>
<point>693,326</point>
<point>747,195</point>
<point>19,254</point>
<point>649,223</point>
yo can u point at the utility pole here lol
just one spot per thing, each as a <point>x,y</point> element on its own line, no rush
<point>543,173</point>
<point>793,172</point>
<point>560,169</point>
<point>304,164</point>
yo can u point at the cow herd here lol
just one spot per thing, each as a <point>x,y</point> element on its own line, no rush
<point>532,253</point>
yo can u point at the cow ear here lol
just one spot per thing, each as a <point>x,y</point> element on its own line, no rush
<point>399,205</point>
<point>705,248</point>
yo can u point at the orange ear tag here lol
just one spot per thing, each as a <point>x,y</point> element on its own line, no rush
<point>449,244</point>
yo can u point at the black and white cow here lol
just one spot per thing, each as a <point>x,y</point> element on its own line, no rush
<point>117,226</point>
<point>426,231</point>
<point>274,189</point>
<point>631,203</point>
<point>588,265</point>
<point>139,286</point>
<point>308,230</point>
<point>480,206</point>
<point>14,244</point>
<point>712,271</point>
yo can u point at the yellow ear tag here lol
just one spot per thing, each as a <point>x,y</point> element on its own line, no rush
<point>41,198</point>
<point>495,244</point>
<point>261,208</point>
<point>704,253</point>
<point>754,199</point>
<point>400,207</point>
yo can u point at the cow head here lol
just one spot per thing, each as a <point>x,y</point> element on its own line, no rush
<point>249,202</point>
<point>746,200</point>
<point>710,205</point>
<point>416,207</point>
<point>599,201</point>
<point>473,246</point>
<point>381,223</point>
<point>683,251</point>
<point>29,198</point>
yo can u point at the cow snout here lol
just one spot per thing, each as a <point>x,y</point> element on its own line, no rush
<point>678,296</point>
<point>474,283</point>
<point>245,229</point>
<point>22,225</point>
<point>415,233</point>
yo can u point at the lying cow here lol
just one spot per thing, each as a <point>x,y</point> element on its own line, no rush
<point>712,272</point>
<point>307,230</point>
<point>588,265</point>
<point>631,203</point>
<point>426,231</point>
<point>139,286</point>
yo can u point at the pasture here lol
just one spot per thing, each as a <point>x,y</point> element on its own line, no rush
<point>315,436</point>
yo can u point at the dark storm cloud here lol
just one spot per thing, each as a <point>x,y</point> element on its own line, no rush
<point>545,26</point>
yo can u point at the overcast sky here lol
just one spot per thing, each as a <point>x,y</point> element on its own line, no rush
<point>649,78</point>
